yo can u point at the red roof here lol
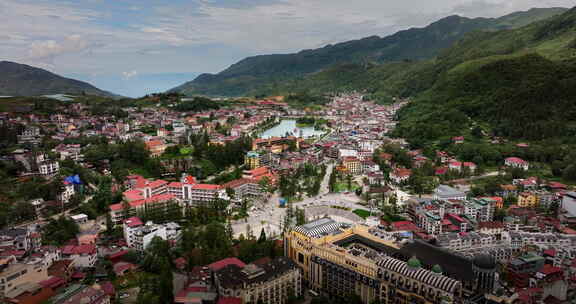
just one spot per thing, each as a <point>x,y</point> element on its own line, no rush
<point>225,300</point>
<point>515,160</point>
<point>133,222</point>
<point>52,282</point>
<point>117,254</point>
<point>133,195</point>
<point>175,185</point>
<point>205,187</point>
<point>549,269</point>
<point>190,180</point>
<point>157,183</point>
<point>225,262</point>
<point>81,249</point>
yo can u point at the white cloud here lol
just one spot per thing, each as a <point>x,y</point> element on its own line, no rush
<point>130,74</point>
<point>48,49</point>
<point>207,35</point>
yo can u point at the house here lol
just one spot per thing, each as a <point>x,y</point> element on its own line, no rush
<point>83,256</point>
<point>455,165</point>
<point>515,162</point>
<point>155,147</point>
<point>528,200</point>
<point>444,192</point>
<point>400,175</point>
<point>458,139</point>
<point>14,275</point>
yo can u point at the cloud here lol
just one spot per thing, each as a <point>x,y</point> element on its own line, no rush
<point>130,74</point>
<point>47,50</point>
<point>180,36</point>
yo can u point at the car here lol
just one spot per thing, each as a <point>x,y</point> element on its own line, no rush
<point>124,295</point>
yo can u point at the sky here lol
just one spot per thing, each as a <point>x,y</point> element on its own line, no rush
<point>135,47</point>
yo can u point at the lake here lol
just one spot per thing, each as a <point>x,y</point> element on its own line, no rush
<point>289,125</point>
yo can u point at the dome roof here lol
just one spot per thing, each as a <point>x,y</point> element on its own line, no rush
<point>437,269</point>
<point>414,263</point>
<point>484,261</point>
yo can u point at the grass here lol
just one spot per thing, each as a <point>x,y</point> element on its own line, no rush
<point>362,213</point>
<point>343,186</point>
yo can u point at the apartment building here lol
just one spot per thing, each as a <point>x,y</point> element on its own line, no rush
<point>13,275</point>
<point>339,260</point>
<point>271,282</point>
<point>139,235</point>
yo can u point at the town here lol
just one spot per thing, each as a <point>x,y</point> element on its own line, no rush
<point>260,202</point>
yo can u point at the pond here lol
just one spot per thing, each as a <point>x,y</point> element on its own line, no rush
<point>289,126</point>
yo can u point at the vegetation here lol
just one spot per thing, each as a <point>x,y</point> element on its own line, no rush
<point>348,65</point>
<point>59,231</point>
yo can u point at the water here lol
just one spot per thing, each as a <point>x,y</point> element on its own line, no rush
<point>289,125</point>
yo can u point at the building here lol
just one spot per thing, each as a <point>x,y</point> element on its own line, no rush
<point>569,203</point>
<point>79,218</point>
<point>515,162</point>
<point>18,238</point>
<point>271,282</point>
<point>82,294</point>
<point>252,160</point>
<point>155,147</point>
<point>139,235</point>
<point>84,256</point>
<point>444,192</point>
<point>528,200</point>
<point>352,165</point>
<point>485,269</point>
<point>48,168</point>
<point>14,275</point>
<point>340,260</point>
<point>520,269</point>
<point>244,188</point>
<point>400,175</point>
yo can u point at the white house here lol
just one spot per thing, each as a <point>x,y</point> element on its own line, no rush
<point>515,162</point>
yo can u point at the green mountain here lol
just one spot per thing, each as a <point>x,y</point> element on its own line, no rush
<point>520,84</point>
<point>24,80</point>
<point>272,73</point>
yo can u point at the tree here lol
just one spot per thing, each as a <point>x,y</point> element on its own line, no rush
<point>166,288</point>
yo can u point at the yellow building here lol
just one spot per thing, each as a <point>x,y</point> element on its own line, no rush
<point>352,165</point>
<point>340,261</point>
<point>528,200</point>
<point>252,160</point>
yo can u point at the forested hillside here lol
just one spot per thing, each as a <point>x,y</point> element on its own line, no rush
<point>333,66</point>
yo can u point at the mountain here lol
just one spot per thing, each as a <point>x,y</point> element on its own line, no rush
<point>24,80</point>
<point>263,74</point>
<point>519,84</point>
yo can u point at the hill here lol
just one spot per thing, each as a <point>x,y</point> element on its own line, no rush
<point>519,84</point>
<point>24,80</point>
<point>271,73</point>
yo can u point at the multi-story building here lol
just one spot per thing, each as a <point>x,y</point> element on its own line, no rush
<point>82,294</point>
<point>528,200</point>
<point>463,241</point>
<point>520,269</point>
<point>30,134</point>
<point>48,168</point>
<point>444,192</point>
<point>19,238</point>
<point>271,282</point>
<point>84,256</point>
<point>139,235</point>
<point>352,165</point>
<point>340,261</point>
<point>155,147</point>
<point>13,275</point>
<point>252,160</point>
<point>149,195</point>
<point>244,188</point>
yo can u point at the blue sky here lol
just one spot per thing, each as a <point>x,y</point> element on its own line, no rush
<point>134,47</point>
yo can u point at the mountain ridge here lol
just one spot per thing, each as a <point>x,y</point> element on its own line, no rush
<point>252,74</point>
<point>26,80</point>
